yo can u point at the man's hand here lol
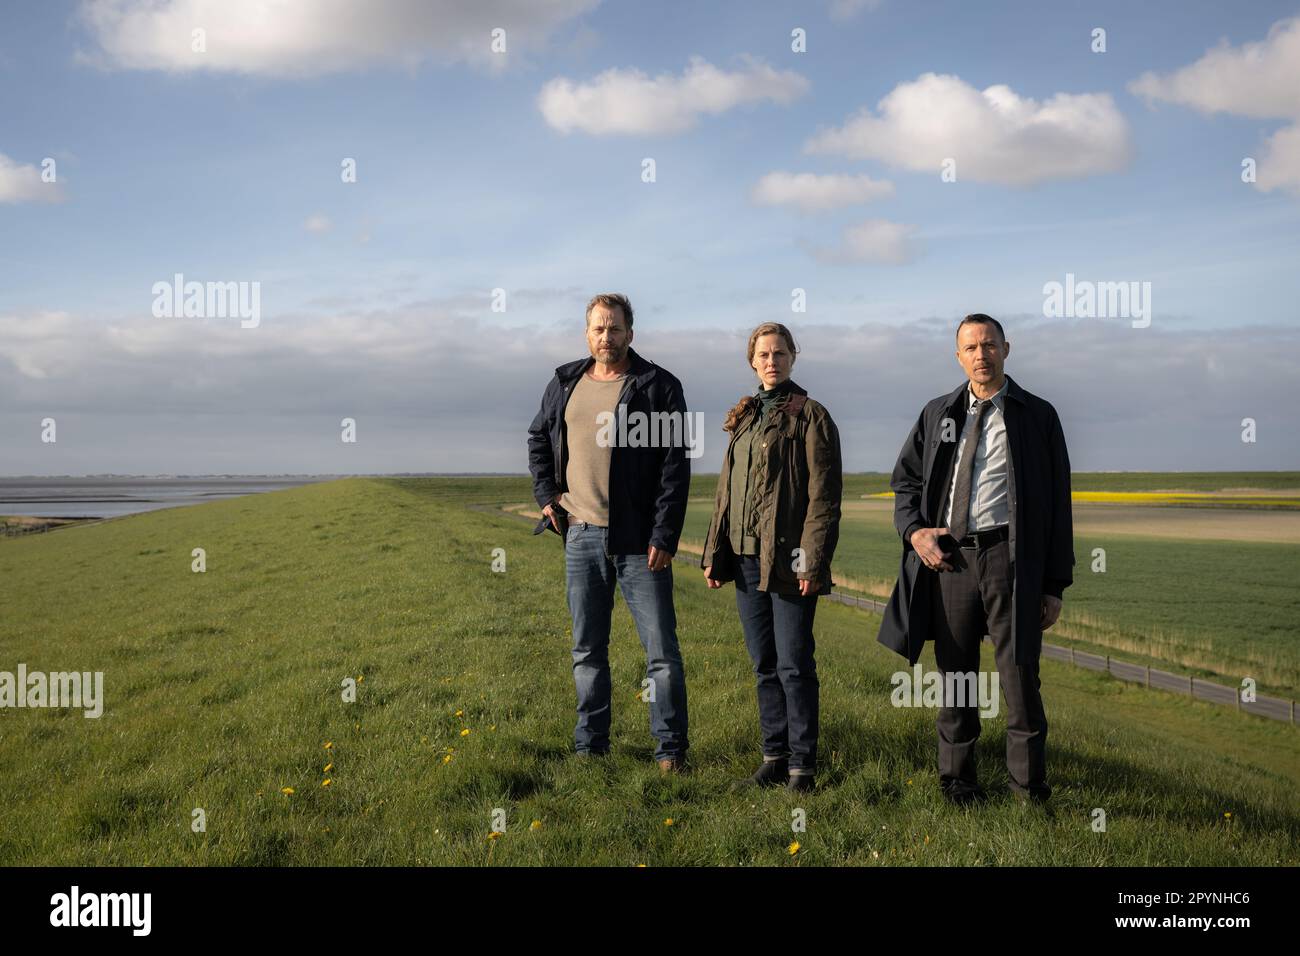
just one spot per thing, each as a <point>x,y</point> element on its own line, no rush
<point>1051,611</point>
<point>807,587</point>
<point>549,511</point>
<point>925,541</point>
<point>708,578</point>
<point>658,559</point>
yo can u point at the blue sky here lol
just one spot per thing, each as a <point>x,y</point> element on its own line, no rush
<point>213,168</point>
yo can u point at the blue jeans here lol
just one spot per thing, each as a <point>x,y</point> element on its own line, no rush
<point>779,637</point>
<point>591,575</point>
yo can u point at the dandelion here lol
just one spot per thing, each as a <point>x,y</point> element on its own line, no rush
<point>287,791</point>
<point>328,768</point>
<point>535,825</point>
<point>459,713</point>
<point>1227,815</point>
<point>668,822</point>
<point>446,758</point>
<point>909,783</point>
<point>794,847</point>
<point>360,678</point>
<point>329,745</point>
<point>465,732</point>
<point>326,782</point>
<point>494,834</point>
<point>493,727</point>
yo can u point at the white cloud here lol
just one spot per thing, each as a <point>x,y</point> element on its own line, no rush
<point>176,395</point>
<point>316,37</point>
<point>811,192</point>
<point>875,240</point>
<point>626,101</point>
<point>994,135</point>
<point>318,224</point>
<point>23,183</point>
<point>1279,164</point>
<point>1260,80</point>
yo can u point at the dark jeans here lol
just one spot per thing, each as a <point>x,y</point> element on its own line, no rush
<point>649,595</point>
<point>779,636</point>
<point>975,599</point>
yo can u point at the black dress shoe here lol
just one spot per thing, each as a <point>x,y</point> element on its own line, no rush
<point>773,773</point>
<point>963,795</point>
<point>1035,797</point>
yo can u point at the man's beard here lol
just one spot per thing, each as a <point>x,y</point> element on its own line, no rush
<point>612,357</point>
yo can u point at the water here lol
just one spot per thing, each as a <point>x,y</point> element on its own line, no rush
<point>109,497</point>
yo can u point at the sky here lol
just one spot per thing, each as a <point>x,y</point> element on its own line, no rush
<point>425,194</point>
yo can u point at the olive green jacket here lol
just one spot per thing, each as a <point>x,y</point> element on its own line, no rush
<point>800,479</point>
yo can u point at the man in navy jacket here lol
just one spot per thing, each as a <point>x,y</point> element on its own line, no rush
<point>611,475</point>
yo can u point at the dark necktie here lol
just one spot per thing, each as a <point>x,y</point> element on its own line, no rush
<point>965,469</point>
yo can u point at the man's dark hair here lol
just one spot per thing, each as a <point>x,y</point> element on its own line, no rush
<point>609,300</point>
<point>983,319</point>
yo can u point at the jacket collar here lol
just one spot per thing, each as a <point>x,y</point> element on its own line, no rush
<point>790,386</point>
<point>957,397</point>
<point>641,370</point>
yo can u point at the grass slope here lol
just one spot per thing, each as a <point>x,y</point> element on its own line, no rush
<point>224,687</point>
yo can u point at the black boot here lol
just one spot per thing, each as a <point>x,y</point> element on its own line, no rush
<point>801,783</point>
<point>773,773</point>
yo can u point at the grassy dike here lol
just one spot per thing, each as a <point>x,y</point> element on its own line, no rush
<point>222,688</point>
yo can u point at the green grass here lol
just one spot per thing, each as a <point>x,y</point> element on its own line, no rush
<point>224,687</point>
<point>1220,610</point>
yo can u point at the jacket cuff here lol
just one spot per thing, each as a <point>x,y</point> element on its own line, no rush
<point>1055,588</point>
<point>907,532</point>
<point>658,541</point>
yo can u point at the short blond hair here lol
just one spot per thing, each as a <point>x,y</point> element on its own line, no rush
<point>609,300</point>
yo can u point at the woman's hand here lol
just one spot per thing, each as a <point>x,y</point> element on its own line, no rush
<point>714,585</point>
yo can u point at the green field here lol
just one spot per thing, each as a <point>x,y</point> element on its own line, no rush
<point>224,687</point>
<point>1221,610</point>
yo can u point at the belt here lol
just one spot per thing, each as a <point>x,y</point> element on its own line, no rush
<point>983,539</point>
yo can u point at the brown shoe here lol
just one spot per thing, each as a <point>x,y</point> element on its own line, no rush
<point>672,765</point>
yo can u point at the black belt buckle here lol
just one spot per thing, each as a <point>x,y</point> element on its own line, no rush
<point>977,540</point>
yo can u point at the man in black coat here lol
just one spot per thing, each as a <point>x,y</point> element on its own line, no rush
<point>617,495</point>
<point>982,503</point>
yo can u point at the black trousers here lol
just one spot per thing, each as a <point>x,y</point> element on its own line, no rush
<point>975,599</point>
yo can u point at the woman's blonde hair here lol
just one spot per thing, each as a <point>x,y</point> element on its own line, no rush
<point>747,402</point>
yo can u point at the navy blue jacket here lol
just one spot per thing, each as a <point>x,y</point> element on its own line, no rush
<point>648,486</point>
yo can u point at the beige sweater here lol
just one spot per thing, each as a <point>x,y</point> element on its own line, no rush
<point>586,473</point>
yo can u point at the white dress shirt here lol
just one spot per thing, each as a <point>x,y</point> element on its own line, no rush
<point>988,485</point>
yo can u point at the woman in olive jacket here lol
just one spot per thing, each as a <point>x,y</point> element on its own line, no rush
<point>775,525</point>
